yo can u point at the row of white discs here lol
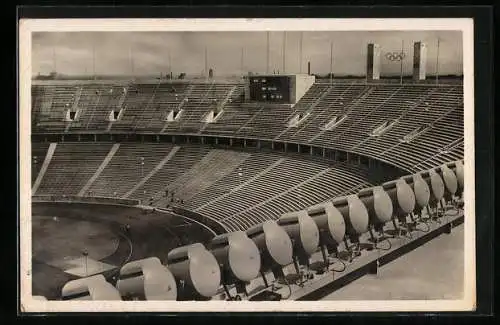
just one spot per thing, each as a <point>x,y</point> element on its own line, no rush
<point>243,255</point>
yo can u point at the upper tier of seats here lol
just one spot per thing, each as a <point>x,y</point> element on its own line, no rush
<point>425,121</point>
<point>238,189</point>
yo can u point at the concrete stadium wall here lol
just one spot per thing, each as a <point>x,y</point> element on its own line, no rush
<point>83,199</point>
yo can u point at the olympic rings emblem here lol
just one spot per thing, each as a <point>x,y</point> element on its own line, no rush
<point>395,56</point>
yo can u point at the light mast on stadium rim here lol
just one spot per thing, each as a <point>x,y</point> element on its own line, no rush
<point>206,63</point>
<point>401,61</point>
<point>284,52</point>
<point>242,63</point>
<point>131,58</point>
<point>437,62</point>
<point>267,52</point>
<point>93,61</point>
<point>54,67</point>
<point>169,64</point>
<point>331,62</point>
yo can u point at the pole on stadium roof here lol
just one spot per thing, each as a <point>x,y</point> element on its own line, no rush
<point>131,54</point>
<point>284,54</point>
<point>54,61</point>
<point>437,62</point>
<point>401,62</point>
<point>331,63</point>
<point>93,61</point>
<point>267,53</point>
<point>300,51</point>
<point>206,62</point>
<point>169,63</point>
<point>242,63</point>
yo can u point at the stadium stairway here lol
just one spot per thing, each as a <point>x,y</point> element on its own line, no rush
<point>99,170</point>
<point>256,206</point>
<point>46,162</point>
<point>214,166</point>
<point>241,185</point>
<point>153,172</point>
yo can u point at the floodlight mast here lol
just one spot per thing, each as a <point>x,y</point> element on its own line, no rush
<point>54,60</point>
<point>284,52</point>
<point>93,61</point>
<point>300,50</point>
<point>267,53</point>
<point>401,61</point>
<point>437,62</point>
<point>331,63</point>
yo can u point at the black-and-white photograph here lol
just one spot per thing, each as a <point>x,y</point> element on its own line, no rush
<point>261,165</point>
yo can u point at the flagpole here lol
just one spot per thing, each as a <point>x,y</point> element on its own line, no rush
<point>131,61</point>
<point>54,59</point>
<point>169,63</point>
<point>242,61</point>
<point>401,62</point>
<point>93,60</point>
<point>437,62</point>
<point>284,50</point>
<point>331,63</point>
<point>267,53</point>
<point>206,63</point>
<point>300,52</point>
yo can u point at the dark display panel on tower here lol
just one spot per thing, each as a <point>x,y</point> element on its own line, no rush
<point>274,89</point>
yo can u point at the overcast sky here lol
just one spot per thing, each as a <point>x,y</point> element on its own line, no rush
<point>73,52</point>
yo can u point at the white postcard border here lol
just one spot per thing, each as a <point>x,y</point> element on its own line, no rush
<point>26,27</point>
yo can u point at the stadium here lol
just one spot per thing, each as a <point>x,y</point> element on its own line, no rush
<point>254,187</point>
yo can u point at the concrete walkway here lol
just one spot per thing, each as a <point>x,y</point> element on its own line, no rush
<point>432,271</point>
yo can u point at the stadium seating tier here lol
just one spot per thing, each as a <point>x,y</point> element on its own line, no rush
<point>365,106</point>
<point>411,126</point>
